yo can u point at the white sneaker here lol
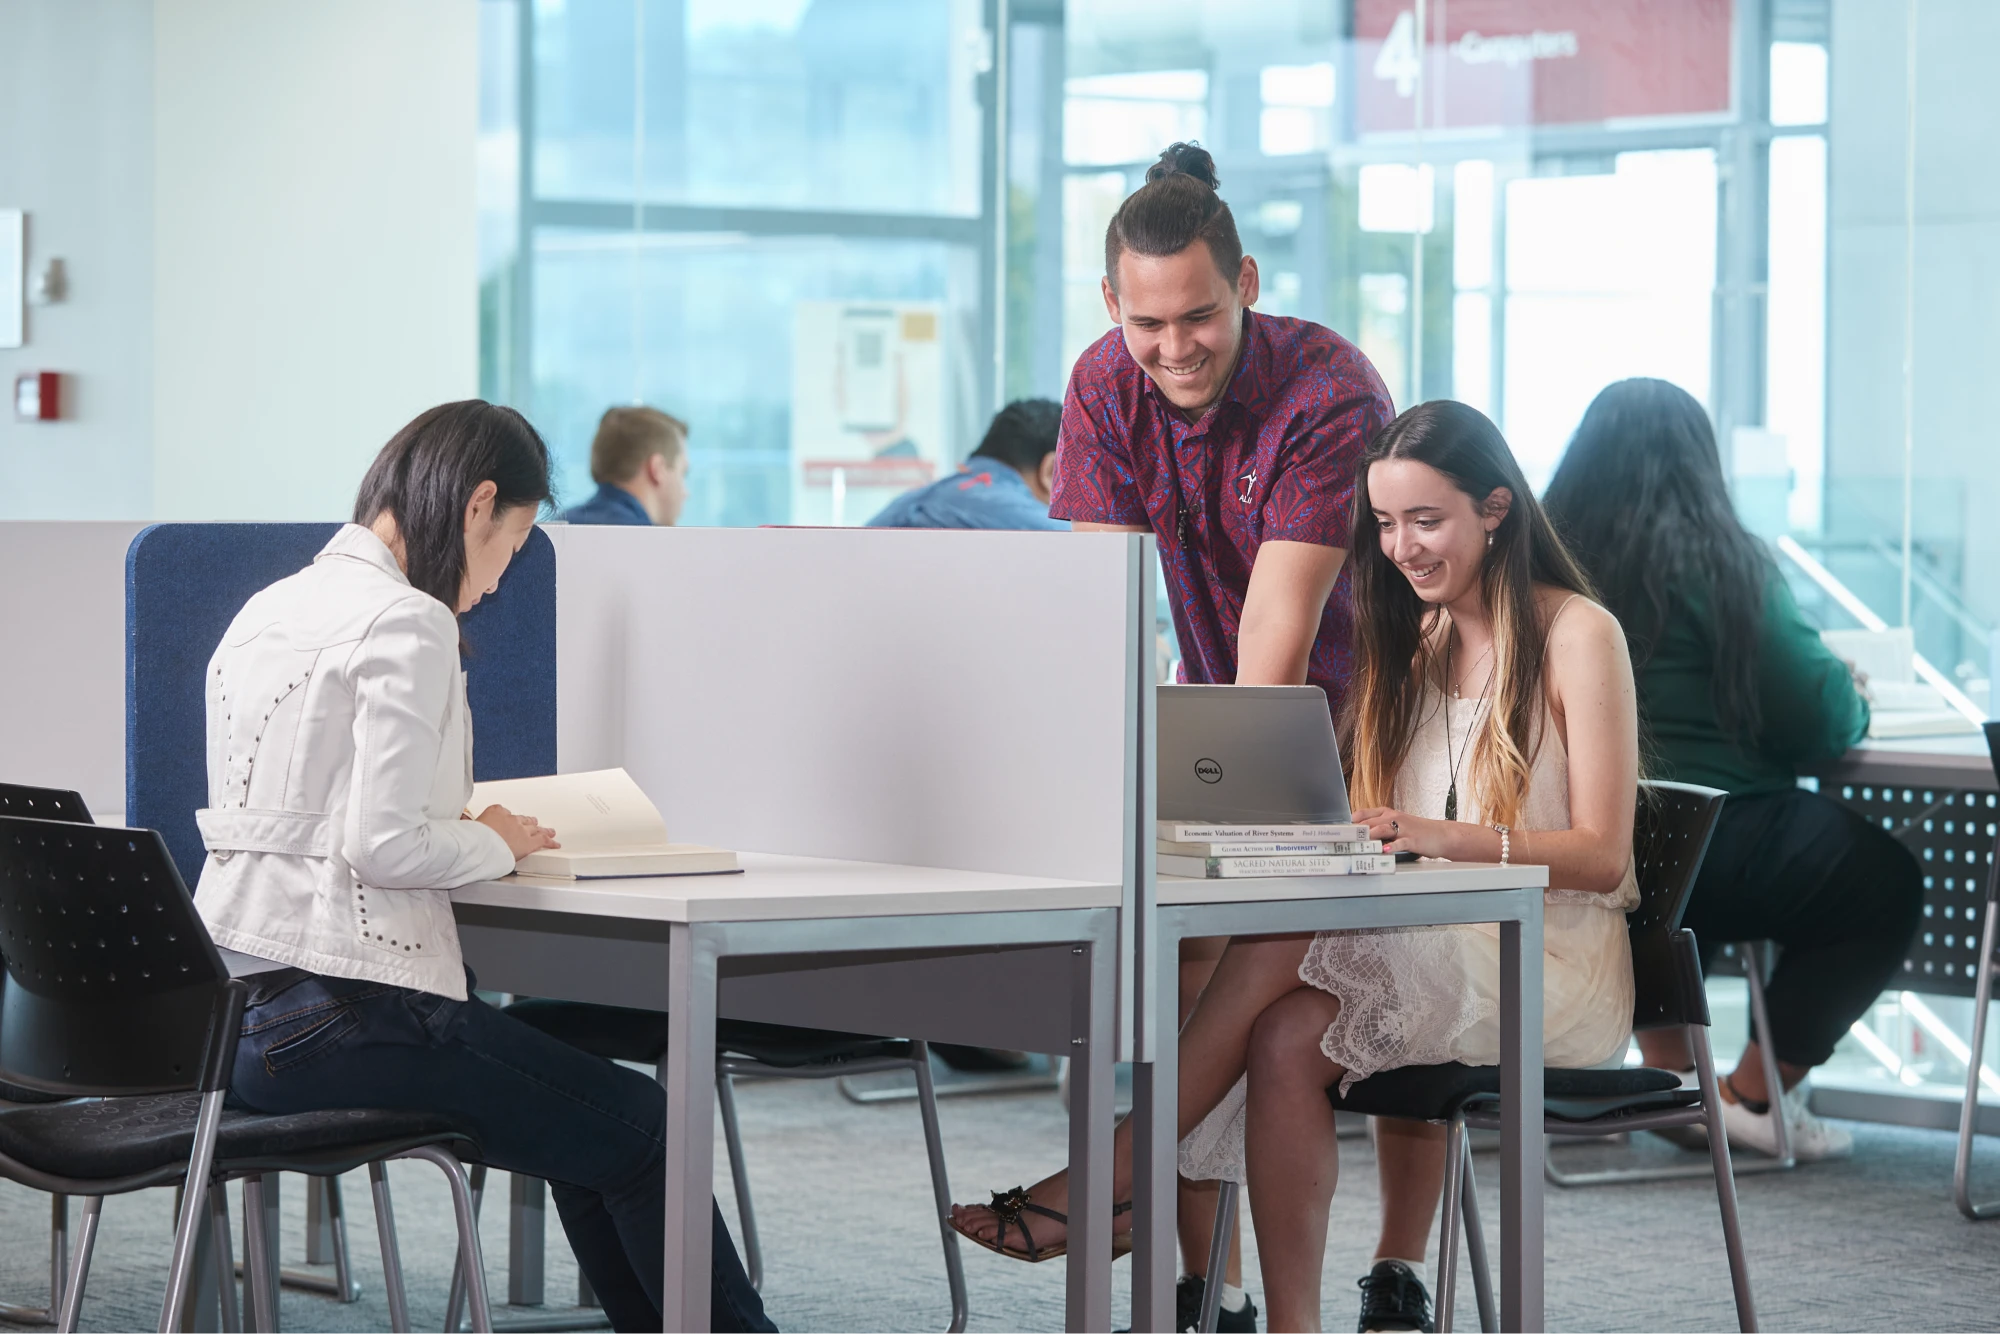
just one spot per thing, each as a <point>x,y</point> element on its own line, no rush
<point>1812,1140</point>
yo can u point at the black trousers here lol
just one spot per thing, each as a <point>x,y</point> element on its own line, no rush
<point>1839,896</point>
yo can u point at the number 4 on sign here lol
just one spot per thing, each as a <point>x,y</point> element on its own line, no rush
<point>1398,58</point>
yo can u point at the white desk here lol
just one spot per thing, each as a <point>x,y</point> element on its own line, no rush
<point>957,956</point>
<point>1416,895</point>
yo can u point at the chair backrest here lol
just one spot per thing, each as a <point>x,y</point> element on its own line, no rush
<point>184,583</point>
<point>1670,834</point>
<point>1993,744</point>
<point>112,983</point>
<point>43,803</point>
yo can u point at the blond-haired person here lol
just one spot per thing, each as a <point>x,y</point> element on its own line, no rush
<point>639,461</point>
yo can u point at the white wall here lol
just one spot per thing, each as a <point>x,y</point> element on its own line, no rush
<point>314,242</point>
<point>75,152</point>
<point>267,211</point>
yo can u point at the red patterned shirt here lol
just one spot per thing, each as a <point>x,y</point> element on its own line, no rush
<point>1274,460</point>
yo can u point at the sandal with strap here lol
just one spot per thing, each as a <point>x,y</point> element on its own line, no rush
<point>1009,1207</point>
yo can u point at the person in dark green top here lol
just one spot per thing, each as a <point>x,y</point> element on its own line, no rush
<point>1736,691</point>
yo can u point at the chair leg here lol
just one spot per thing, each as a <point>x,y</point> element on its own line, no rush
<point>739,1177</point>
<point>259,1264</point>
<point>194,1204</point>
<point>1968,1116</point>
<point>454,1307</point>
<point>86,1243</point>
<point>1454,1195</point>
<point>1218,1255</point>
<point>392,1260</point>
<point>1475,1251</point>
<point>471,1262</point>
<point>221,1248</point>
<point>954,1265</point>
<point>343,1269</point>
<point>1725,1179</point>
<point>1774,1086</point>
<point>16,1313</point>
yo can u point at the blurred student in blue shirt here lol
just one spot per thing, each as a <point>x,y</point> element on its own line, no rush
<point>1005,484</point>
<point>640,464</point>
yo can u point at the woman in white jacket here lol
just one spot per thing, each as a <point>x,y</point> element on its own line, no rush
<point>339,765</point>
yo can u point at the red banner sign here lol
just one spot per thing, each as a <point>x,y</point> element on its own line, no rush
<point>1540,62</point>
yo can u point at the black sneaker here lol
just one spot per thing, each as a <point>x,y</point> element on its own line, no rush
<point>1187,1310</point>
<point>1394,1298</point>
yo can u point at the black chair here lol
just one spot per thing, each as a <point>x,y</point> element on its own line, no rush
<point>1674,822</point>
<point>42,803</point>
<point>114,992</point>
<point>771,1051</point>
<point>1982,997</point>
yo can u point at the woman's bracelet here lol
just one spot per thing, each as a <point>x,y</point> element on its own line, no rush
<point>1506,844</point>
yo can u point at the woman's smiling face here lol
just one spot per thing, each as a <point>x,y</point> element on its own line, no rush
<point>1434,532</point>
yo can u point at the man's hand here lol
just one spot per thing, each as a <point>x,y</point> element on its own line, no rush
<point>1289,586</point>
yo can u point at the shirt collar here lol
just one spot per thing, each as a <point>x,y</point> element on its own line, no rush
<point>612,494</point>
<point>357,543</point>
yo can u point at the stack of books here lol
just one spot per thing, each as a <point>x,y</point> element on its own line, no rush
<point>1212,851</point>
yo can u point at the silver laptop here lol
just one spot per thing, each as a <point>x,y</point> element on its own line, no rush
<point>1248,753</point>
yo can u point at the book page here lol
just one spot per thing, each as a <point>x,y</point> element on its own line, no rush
<point>590,812</point>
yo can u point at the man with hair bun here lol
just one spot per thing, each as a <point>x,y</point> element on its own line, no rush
<point>1233,437</point>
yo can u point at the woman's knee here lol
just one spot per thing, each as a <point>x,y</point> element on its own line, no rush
<point>1285,1040</point>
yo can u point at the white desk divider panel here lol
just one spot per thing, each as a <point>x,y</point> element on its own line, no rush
<point>965,700</point>
<point>62,680</point>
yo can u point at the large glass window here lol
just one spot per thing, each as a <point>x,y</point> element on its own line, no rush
<point>767,217</point>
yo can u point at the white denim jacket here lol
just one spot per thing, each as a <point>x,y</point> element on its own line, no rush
<point>339,760</point>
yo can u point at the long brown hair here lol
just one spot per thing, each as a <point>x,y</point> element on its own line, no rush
<point>1395,630</point>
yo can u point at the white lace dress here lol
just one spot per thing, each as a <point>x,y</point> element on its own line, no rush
<point>1423,995</point>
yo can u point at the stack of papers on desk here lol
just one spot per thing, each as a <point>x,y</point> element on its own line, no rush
<point>607,826</point>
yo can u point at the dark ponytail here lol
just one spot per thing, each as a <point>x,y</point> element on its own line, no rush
<point>425,476</point>
<point>1176,207</point>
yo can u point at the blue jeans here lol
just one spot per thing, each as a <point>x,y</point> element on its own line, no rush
<point>592,1129</point>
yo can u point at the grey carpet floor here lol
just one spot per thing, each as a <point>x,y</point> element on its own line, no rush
<point>842,1196</point>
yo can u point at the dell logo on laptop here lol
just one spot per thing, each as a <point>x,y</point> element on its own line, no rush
<point>1208,771</point>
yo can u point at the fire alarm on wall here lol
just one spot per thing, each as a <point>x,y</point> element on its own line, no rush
<point>38,396</point>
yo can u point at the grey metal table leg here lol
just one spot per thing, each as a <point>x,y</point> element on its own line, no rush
<point>1155,1119</point>
<point>527,1238</point>
<point>1092,1046</point>
<point>1521,1131</point>
<point>690,1150</point>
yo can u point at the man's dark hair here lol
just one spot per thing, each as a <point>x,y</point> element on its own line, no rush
<point>1176,207</point>
<point>1022,434</point>
<point>426,474</point>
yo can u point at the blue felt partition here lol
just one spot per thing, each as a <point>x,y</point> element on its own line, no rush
<point>184,583</point>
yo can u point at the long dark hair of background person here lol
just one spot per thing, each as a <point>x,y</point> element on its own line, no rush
<point>1392,625</point>
<point>1640,499</point>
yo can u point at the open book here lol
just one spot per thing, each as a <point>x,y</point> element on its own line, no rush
<point>605,824</point>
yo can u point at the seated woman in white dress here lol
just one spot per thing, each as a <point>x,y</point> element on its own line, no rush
<point>1492,717</point>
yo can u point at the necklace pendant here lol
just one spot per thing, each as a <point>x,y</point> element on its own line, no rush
<point>1451,803</point>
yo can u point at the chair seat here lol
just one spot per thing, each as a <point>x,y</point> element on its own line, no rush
<point>116,1139</point>
<point>620,1034</point>
<point>1438,1092</point>
<point>17,1094</point>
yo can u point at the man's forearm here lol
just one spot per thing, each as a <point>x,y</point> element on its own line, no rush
<point>1289,588</point>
